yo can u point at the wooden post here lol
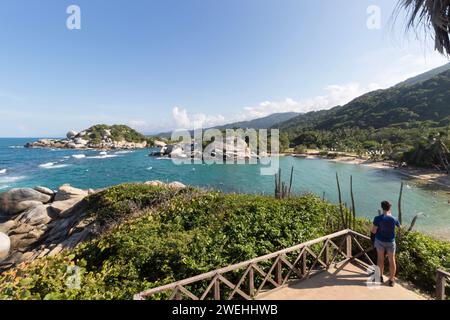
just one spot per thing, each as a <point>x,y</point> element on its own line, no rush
<point>279,273</point>
<point>440,286</point>
<point>217,289</point>
<point>251,281</point>
<point>177,294</point>
<point>327,255</point>
<point>348,241</point>
<point>304,265</point>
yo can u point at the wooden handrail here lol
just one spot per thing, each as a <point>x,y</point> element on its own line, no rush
<point>441,280</point>
<point>252,269</point>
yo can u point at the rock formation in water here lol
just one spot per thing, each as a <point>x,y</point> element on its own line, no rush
<point>97,137</point>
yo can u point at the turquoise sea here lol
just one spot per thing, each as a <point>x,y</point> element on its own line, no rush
<point>21,167</point>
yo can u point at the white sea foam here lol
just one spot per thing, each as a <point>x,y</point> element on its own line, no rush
<point>58,166</point>
<point>104,156</point>
<point>123,152</point>
<point>150,168</point>
<point>16,147</point>
<point>2,171</point>
<point>53,165</point>
<point>47,165</point>
<point>79,156</point>
<point>4,187</point>
<point>11,179</point>
<point>103,153</point>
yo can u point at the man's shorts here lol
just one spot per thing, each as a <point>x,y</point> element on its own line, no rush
<point>389,247</point>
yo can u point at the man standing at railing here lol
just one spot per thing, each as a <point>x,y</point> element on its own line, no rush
<point>384,231</point>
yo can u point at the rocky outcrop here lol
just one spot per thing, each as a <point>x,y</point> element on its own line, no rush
<point>97,137</point>
<point>44,224</point>
<point>18,200</point>
<point>40,220</point>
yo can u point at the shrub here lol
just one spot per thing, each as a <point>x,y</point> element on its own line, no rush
<point>194,232</point>
<point>181,233</point>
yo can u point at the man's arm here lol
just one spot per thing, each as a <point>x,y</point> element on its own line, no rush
<point>375,226</point>
<point>374,229</point>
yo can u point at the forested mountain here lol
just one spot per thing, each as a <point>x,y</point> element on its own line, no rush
<point>400,123</point>
<point>272,120</point>
<point>424,76</point>
<point>400,105</point>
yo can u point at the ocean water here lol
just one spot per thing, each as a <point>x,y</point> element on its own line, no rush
<point>21,167</point>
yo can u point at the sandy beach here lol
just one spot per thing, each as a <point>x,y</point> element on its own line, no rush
<point>422,175</point>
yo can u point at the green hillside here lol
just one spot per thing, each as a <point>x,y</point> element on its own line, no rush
<point>424,101</point>
<point>270,121</point>
<point>394,121</point>
<point>261,123</point>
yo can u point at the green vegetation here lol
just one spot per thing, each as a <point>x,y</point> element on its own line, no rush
<point>182,233</point>
<point>118,133</point>
<point>192,233</point>
<point>385,124</point>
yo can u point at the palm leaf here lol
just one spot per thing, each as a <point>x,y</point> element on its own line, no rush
<point>434,15</point>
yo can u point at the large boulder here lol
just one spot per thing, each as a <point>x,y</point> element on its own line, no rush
<point>155,183</point>
<point>36,216</point>
<point>26,205</point>
<point>11,201</point>
<point>8,225</point>
<point>67,192</point>
<point>45,190</point>
<point>160,144</point>
<point>80,141</point>
<point>62,208</point>
<point>71,134</point>
<point>177,185</point>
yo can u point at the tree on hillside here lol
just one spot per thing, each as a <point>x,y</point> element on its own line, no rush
<point>430,14</point>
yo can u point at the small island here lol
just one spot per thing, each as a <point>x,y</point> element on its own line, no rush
<point>100,136</point>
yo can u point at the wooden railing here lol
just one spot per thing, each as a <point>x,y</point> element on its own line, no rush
<point>442,278</point>
<point>248,279</point>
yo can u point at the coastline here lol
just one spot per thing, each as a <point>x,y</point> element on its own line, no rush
<point>422,175</point>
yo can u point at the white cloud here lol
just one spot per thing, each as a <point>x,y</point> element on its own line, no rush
<point>334,95</point>
<point>183,120</point>
<point>385,73</point>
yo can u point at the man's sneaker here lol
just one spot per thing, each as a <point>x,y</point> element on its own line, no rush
<point>381,279</point>
<point>392,283</point>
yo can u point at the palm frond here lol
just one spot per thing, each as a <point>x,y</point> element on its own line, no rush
<point>433,15</point>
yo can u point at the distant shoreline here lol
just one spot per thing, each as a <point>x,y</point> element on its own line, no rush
<point>425,175</point>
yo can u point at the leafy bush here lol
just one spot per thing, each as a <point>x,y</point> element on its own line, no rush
<point>118,133</point>
<point>182,233</point>
<point>191,233</point>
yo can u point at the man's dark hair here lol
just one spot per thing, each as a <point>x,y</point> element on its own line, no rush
<point>386,205</point>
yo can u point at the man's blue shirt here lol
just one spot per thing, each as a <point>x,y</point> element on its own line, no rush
<point>386,227</point>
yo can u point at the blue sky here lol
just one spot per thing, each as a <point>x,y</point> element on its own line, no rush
<point>163,64</point>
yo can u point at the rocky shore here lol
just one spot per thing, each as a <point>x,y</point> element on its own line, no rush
<point>97,137</point>
<point>39,222</point>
